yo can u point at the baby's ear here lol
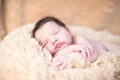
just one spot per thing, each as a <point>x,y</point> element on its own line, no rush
<point>68,29</point>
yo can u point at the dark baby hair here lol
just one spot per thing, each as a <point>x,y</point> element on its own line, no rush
<point>45,20</point>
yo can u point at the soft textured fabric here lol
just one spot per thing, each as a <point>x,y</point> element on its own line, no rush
<point>21,58</point>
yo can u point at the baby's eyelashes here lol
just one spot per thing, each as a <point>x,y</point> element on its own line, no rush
<point>45,43</point>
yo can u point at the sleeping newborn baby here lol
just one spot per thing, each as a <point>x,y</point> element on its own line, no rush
<point>55,36</point>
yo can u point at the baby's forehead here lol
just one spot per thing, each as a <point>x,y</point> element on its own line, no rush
<point>48,28</point>
<point>50,25</point>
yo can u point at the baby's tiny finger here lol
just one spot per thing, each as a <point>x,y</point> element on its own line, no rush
<point>55,59</point>
<point>83,51</point>
<point>62,66</point>
<point>58,63</point>
<point>91,50</point>
<point>88,55</point>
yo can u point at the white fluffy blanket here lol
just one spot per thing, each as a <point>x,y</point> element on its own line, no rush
<point>21,58</point>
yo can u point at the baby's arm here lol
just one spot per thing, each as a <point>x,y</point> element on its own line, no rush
<point>79,39</point>
<point>110,46</point>
<point>85,49</point>
<point>72,52</point>
<point>97,45</point>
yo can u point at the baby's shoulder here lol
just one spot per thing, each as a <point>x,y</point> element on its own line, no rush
<point>78,39</point>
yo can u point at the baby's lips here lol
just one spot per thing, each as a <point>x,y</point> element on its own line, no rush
<point>58,45</point>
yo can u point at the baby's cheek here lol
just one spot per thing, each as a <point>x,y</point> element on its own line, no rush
<point>49,48</point>
<point>52,50</point>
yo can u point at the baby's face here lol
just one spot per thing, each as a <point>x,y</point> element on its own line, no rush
<point>53,36</point>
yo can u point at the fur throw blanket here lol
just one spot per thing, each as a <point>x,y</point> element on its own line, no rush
<point>21,58</point>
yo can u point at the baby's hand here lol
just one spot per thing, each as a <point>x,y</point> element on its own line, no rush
<point>85,49</point>
<point>59,62</point>
<point>87,52</point>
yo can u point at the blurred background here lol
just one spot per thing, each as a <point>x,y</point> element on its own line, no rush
<point>95,14</point>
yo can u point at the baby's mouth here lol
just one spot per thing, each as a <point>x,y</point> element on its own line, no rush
<point>59,45</point>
